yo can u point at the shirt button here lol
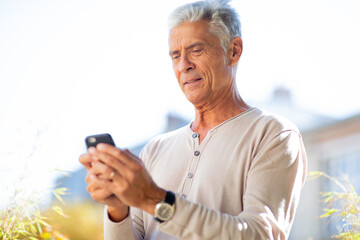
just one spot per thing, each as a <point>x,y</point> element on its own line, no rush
<point>196,153</point>
<point>195,135</point>
<point>183,196</point>
<point>190,175</point>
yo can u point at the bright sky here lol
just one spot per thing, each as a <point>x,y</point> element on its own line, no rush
<point>72,68</point>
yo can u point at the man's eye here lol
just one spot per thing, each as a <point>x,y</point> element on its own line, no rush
<point>197,51</point>
<point>173,57</point>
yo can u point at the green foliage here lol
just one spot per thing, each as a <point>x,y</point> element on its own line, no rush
<point>21,219</point>
<point>343,207</point>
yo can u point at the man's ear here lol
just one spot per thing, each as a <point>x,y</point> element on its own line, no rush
<point>235,50</point>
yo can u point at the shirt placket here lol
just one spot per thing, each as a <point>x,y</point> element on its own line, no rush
<point>192,166</point>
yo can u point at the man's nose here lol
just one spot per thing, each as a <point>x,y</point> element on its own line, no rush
<point>185,64</point>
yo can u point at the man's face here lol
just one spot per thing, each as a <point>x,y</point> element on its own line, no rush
<point>198,63</point>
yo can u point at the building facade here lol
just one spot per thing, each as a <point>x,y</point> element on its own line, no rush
<point>335,150</point>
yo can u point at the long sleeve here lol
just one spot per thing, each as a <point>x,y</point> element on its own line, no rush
<point>242,182</point>
<point>131,228</point>
<point>274,181</point>
<point>126,229</point>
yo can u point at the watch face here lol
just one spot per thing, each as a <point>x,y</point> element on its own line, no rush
<point>164,211</point>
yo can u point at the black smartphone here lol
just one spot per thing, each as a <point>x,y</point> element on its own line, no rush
<point>93,140</point>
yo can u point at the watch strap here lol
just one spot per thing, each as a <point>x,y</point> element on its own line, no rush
<point>169,198</point>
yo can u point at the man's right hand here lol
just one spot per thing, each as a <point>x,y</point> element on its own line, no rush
<point>98,187</point>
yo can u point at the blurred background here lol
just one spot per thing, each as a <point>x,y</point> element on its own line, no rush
<point>69,69</point>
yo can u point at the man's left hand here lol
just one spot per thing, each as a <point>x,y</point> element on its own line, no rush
<point>131,182</point>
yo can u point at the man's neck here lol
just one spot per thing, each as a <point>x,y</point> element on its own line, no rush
<point>211,116</point>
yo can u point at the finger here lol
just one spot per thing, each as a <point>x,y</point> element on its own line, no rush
<point>132,155</point>
<point>86,160</point>
<point>125,156</point>
<point>111,161</point>
<point>125,175</point>
<point>99,188</point>
<point>102,170</point>
<point>100,195</point>
<point>91,149</point>
<point>95,183</point>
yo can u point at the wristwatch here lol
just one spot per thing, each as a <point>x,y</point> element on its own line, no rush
<point>165,209</point>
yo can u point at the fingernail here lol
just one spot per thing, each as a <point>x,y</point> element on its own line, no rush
<point>100,146</point>
<point>91,150</point>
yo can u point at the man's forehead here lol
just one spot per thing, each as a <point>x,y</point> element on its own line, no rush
<point>189,34</point>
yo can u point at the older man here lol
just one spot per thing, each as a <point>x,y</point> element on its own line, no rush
<point>235,172</point>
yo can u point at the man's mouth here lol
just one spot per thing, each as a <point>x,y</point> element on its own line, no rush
<point>193,80</point>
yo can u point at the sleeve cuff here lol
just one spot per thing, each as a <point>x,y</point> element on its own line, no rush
<point>112,230</point>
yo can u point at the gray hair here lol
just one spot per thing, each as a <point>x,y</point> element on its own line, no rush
<point>223,19</point>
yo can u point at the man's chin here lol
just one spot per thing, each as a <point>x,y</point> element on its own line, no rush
<point>197,102</point>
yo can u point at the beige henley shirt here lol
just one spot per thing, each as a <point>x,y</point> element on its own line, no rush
<point>242,182</point>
